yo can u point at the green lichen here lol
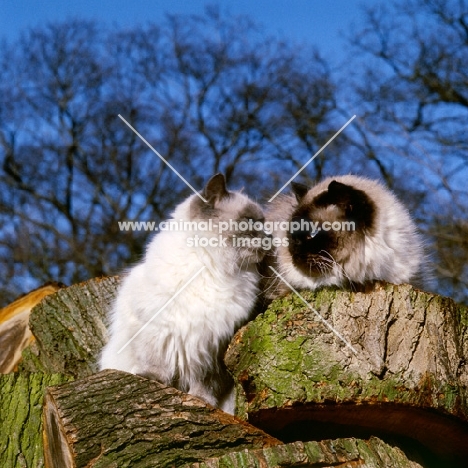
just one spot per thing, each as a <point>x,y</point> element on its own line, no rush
<point>283,362</point>
<point>372,453</point>
<point>21,398</point>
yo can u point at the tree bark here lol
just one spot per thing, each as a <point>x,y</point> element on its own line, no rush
<point>117,419</point>
<point>300,380</point>
<point>70,329</point>
<point>15,334</point>
<point>345,453</point>
<point>21,397</point>
<point>296,378</point>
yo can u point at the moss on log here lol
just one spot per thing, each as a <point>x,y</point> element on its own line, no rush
<point>408,377</point>
<point>393,367</point>
<point>345,453</point>
<point>70,329</point>
<point>117,419</point>
<point>21,397</point>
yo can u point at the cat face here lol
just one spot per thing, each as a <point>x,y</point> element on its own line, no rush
<point>236,218</point>
<point>333,227</point>
<point>246,232</point>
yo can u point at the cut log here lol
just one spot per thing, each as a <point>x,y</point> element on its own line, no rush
<point>117,419</point>
<point>15,334</point>
<point>21,397</point>
<point>345,453</point>
<point>297,379</point>
<point>300,380</point>
<point>70,329</point>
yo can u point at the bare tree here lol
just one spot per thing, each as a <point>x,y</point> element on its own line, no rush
<point>209,93</point>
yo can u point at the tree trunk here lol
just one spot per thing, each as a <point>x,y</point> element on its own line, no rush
<point>298,379</point>
<point>21,397</point>
<point>70,329</point>
<point>117,419</point>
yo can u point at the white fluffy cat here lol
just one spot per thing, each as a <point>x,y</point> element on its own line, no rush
<point>384,245</point>
<point>183,345</point>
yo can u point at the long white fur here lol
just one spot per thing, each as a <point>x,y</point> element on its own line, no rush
<point>393,253</point>
<point>183,337</point>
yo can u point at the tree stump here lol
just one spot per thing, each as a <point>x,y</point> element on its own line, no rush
<point>298,380</point>
<point>118,419</point>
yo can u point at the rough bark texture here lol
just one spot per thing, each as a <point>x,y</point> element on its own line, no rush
<point>117,419</point>
<point>15,334</point>
<point>70,329</point>
<point>21,397</point>
<point>297,378</point>
<point>345,453</point>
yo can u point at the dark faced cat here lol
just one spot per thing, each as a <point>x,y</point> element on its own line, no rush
<point>345,230</point>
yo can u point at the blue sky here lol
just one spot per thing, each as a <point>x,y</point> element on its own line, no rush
<point>318,22</point>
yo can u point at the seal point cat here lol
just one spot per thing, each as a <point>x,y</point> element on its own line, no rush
<point>383,243</point>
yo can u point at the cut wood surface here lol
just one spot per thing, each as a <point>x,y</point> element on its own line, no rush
<point>15,334</point>
<point>299,380</point>
<point>21,398</point>
<point>117,419</point>
<point>296,379</point>
<point>343,453</point>
<point>70,329</point>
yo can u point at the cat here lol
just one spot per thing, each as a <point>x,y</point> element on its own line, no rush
<point>384,244</point>
<point>185,344</point>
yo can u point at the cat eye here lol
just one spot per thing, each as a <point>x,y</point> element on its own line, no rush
<point>301,236</point>
<point>312,234</point>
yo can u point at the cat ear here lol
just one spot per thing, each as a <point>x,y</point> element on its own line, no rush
<point>339,189</point>
<point>299,190</point>
<point>215,189</point>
